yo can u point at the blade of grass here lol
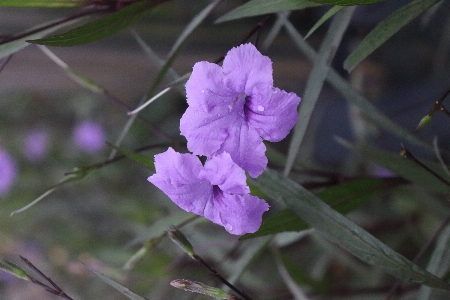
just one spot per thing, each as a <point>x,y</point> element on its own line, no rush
<point>316,80</point>
<point>343,231</point>
<point>353,96</point>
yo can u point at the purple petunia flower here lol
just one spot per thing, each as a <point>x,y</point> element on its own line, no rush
<point>35,144</point>
<point>234,108</point>
<point>89,136</point>
<point>8,172</point>
<point>217,190</point>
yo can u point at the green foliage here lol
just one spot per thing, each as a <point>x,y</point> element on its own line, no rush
<point>343,231</point>
<point>346,2</point>
<point>43,3</point>
<point>98,29</point>
<point>91,220</point>
<point>385,29</point>
<point>262,7</point>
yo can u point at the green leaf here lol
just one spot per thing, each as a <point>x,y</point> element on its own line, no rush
<point>324,18</point>
<point>344,198</point>
<point>17,45</point>
<point>13,269</point>
<point>343,231</point>
<point>385,29</point>
<point>42,3</point>
<point>125,291</point>
<point>262,7</point>
<point>200,288</point>
<point>439,262</point>
<point>146,161</point>
<point>353,96</point>
<point>98,29</point>
<point>404,167</point>
<point>316,81</point>
<point>346,2</point>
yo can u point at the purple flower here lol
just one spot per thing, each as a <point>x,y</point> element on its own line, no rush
<point>35,145</point>
<point>234,108</point>
<point>89,136</point>
<point>217,190</point>
<point>8,172</point>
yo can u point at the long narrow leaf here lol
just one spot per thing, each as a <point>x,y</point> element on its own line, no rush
<point>346,2</point>
<point>385,29</point>
<point>43,3</point>
<point>98,29</point>
<point>324,18</point>
<point>403,167</point>
<point>343,231</point>
<point>353,96</point>
<point>125,291</point>
<point>316,80</point>
<point>262,7</point>
<point>439,262</point>
<point>17,45</point>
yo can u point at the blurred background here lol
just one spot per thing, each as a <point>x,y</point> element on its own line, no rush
<point>49,125</point>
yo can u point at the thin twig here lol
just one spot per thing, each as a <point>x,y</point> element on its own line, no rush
<point>55,289</point>
<point>223,280</point>
<point>406,154</point>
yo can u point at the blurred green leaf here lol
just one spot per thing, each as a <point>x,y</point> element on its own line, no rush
<point>201,288</point>
<point>439,262</point>
<point>13,269</point>
<point>159,227</point>
<point>344,232</point>
<point>353,96</point>
<point>324,18</point>
<point>404,167</point>
<point>262,7</point>
<point>146,161</point>
<point>346,2</point>
<point>125,291</point>
<point>43,3</point>
<point>100,28</point>
<point>385,29</point>
<point>16,45</point>
<point>344,198</point>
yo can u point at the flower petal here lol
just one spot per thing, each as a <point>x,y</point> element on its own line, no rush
<point>245,67</point>
<point>239,214</point>
<point>177,175</point>
<point>205,132</point>
<point>205,88</point>
<point>245,147</point>
<point>222,171</point>
<point>272,112</point>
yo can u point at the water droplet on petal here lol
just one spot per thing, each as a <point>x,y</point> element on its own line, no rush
<point>203,91</point>
<point>228,227</point>
<point>260,108</point>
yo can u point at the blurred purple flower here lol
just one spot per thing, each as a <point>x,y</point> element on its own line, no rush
<point>217,190</point>
<point>382,172</point>
<point>89,136</point>
<point>35,144</point>
<point>235,107</point>
<point>8,172</point>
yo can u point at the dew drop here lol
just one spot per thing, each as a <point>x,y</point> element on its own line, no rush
<point>260,108</point>
<point>203,91</point>
<point>228,227</point>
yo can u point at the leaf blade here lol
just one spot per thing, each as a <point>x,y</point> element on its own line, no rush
<point>343,231</point>
<point>98,29</point>
<point>262,7</point>
<point>386,29</point>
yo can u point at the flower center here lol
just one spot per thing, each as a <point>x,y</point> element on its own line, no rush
<point>217,192</point>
